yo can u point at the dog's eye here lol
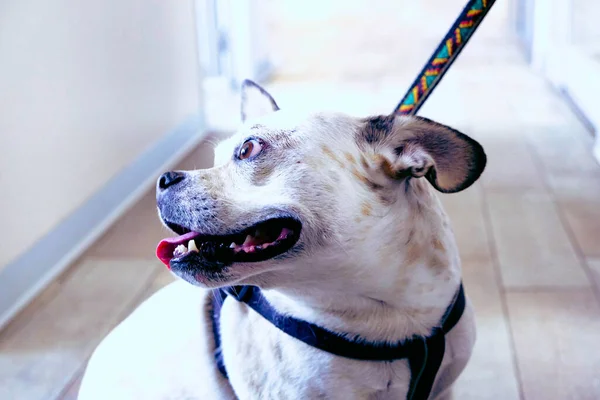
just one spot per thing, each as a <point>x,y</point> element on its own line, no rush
<point>250,149</point>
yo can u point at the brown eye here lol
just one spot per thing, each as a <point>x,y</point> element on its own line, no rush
<point>249,149</point>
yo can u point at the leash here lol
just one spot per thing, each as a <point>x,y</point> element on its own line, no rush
<point>446,53</point>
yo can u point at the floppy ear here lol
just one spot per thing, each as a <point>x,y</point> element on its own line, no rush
<point>256,101</point>
<point>418,147</point>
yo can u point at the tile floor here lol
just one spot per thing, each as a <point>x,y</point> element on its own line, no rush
<point>528,231</point>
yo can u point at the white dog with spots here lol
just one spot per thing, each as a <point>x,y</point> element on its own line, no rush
<point>337,221</point>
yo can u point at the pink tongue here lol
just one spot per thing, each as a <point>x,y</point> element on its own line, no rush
<point>164,250</point>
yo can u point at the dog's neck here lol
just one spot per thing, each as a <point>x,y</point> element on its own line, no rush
<point>402,288</point>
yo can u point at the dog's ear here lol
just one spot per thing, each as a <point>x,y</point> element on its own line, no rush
<point>418,147</point>
<point>256,101</point>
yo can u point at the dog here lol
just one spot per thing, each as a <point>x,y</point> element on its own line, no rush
<point>336,220</point>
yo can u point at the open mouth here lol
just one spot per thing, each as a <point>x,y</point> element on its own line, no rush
<point>259,242</point>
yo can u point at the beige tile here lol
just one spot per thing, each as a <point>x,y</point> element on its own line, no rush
<point>579,200</point>
<point>584,187</point>
<point>491,364</point>
<point>23,318</point>
<point>564,149</point>
<point>38,360</point>
<point>532,247</point>
<point>510,162</point>
<point>556,338</point>
<point>467,220</point>
<point>584,219</point>
<point>542,107</point>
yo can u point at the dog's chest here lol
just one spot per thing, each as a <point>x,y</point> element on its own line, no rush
<point>264,363</point>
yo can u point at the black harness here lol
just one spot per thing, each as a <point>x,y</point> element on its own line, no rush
<point>424,354</point>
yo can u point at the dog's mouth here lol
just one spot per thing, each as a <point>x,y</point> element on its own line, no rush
<point>259,242</point>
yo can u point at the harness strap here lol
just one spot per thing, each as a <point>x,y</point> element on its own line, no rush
<point>424,354</point>
<point>217,302</point>
<point>425,360</point>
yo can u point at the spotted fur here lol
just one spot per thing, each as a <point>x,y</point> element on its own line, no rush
<point>376,259</point>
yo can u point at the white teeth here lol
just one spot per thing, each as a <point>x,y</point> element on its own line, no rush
<point>232,245</point>
<point>192,246</point>
<point>248,240</point>
<point>180,250</point>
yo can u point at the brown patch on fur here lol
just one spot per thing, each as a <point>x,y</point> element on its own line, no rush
<point>437,264</point>
<point>366,209</point>
<point>386,167</point>
<point>350,158</point>
<point>363,162</point>
<point>389,170</point>
<point>413,251</point>
<point>363,179</point>
<point>385,199</point>
<point>327,151</point>
<point>402,282</point>
<point>437,244</point>
<point>357,175</point>
<point>446,275</point>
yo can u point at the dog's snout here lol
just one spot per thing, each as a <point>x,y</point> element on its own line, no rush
<point>169,179</point>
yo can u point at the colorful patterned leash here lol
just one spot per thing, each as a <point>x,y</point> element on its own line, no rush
<point>443,57</point>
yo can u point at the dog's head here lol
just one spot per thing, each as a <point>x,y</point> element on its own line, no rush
<point>296,197</point>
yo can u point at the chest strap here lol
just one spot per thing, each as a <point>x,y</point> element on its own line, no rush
<point>424,354</point>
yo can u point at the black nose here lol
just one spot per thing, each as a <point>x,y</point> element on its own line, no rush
<point>169,179</point>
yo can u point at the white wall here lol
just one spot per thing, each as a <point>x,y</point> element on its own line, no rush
<point>85,87</point>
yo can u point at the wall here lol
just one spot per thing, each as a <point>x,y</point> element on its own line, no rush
<point>85,88</point>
